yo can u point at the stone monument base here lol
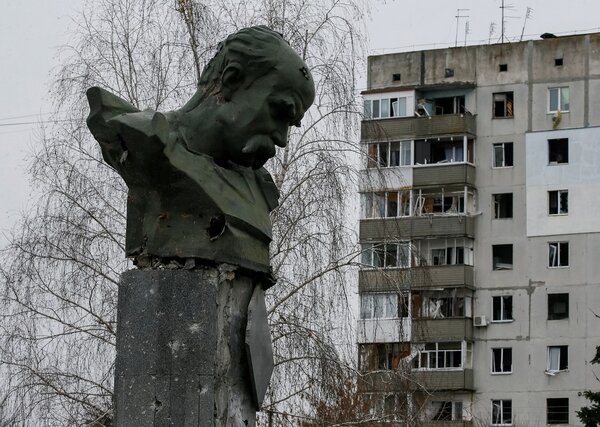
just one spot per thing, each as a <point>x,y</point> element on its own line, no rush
<point>181,354</point>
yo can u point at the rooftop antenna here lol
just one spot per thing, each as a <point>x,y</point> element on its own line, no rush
<point>467,31</point>
<point>491,32</point>
<point>504,17</point>
<point>458,16</point>
<point>528,15</point>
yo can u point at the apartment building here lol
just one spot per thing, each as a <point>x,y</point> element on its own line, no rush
<point>480,233</point>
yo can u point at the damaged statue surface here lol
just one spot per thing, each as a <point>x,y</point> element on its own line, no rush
<point>197,186</point>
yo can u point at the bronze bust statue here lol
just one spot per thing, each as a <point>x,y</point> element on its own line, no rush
<point>197,186</point>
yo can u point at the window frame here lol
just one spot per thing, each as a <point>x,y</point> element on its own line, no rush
<point>434,355</point>
<point>512,259</point>
<point>559,99</point>
<point>558,141</point>
<point>501,403</point>
<point>563,413</point>
<point>496,199</point>
<point>388,101</point>
<point>502,351</point>
<point>399,302</point>
<point>561,246</point>
<point>455,407</point>
<point>503,310</point>
<point>370,248</point>
<point>558,202</point>
<point>508,105</point>
<point>562,361</point>
<point>379,162</point>
<point>553,315</point>
<point>504,146</point>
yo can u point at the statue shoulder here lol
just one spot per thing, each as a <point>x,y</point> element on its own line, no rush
<point>268,188</point>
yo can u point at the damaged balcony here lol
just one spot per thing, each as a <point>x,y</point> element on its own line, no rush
<point>418,213</point>
<point>442,314</point>
<point>418,127</point>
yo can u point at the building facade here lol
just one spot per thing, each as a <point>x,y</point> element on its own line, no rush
<point>480,233</point>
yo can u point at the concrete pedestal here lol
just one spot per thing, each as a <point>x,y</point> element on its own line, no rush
<point>181,358</point>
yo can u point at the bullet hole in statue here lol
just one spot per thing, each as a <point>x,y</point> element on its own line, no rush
<point>216,227</point>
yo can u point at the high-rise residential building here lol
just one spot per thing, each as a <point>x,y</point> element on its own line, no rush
<point>480,233</point>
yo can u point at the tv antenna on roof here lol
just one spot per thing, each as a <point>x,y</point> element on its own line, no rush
<point>504,17</point>
<point>458,16</point>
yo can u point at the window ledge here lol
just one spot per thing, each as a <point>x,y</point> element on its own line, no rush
<point>502,118</point>
<point>502,321</point>
<point>502,167</point>
<point>558,164</point>
<point>560,214</point>
<point>558,111</point>
<point>501,373</point>
<point>558,267</point>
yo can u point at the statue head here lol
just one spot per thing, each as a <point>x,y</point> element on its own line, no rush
<point>249,94</point>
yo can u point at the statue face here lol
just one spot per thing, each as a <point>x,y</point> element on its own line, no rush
<point>260,112</point>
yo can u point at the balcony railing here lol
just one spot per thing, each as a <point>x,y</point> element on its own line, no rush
<point>436,276</point>
<point>410,227</point>
<point>418,127</point>
<point>448,329</point>
<point>443,174</point>
<point>396,380</point>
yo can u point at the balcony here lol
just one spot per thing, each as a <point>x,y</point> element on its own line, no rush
<point>437,276</point>
<point>444,380</point>
<point>445,329</point>
<point>395,279</point>
<point>414,227</point>
<point>398,380</point>
<point>418,127</point>
<point>383,330</point>
<point>437,174</point>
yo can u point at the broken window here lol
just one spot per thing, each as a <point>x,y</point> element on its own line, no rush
<point>449,105</point>
<point>502,257</point>
<point>502,360</point>
<point>558,202</point>
<point>396,77</point>
<point>558,306</point>
<point>503,67</point>
<point>383,305</point>
<point>385,204</point>
<point>558,254</point>
<point>503,205</point>
<point>502,308</point>
<point>502,412</point>
<point>558,99</point>
<point>384,108</point>
<point>384,154</point>
<point>503,105</point>
<point>439,150</point>
<point>558,358</point>
<point>557,410</point>
<point>558,62</point>
<point>440,304</point>
<point>503,155</point>
<point>374,357</point>
<point>446,410</point>
<point>442,355</point>
<point>558,150</point>
<point>385,255</point>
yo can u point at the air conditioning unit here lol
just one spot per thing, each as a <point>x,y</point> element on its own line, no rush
<point>480,321</point>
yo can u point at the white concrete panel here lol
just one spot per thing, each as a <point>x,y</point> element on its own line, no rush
<point>581,177</point>
<point>383,330</point>
<point>380,179</point>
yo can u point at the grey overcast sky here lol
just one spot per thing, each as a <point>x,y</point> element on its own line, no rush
<point>32,30</point>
